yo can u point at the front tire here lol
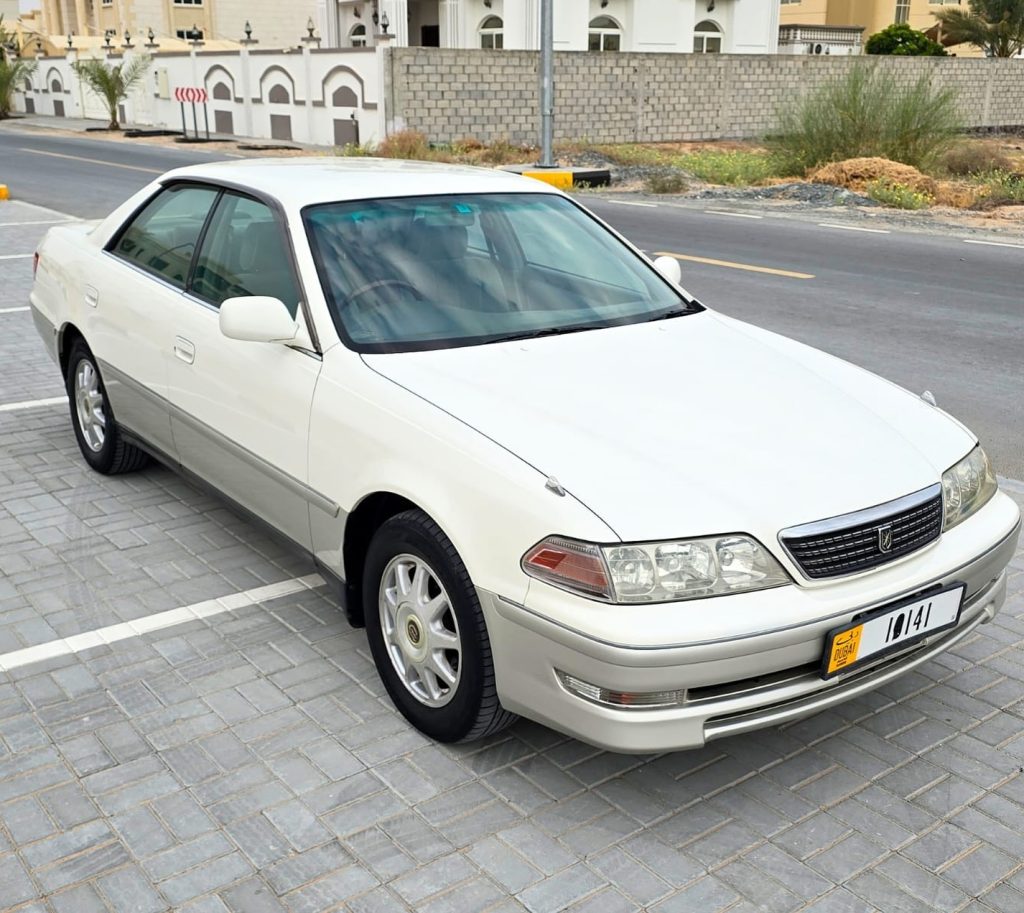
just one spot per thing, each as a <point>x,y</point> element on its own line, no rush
<point>102,445</point>
<point>427,633</point>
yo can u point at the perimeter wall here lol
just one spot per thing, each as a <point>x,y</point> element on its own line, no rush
<point>450,94</point>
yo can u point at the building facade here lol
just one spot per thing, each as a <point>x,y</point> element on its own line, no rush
<point>871,15</point>
<point>726,26</point>
<point>708,26</point>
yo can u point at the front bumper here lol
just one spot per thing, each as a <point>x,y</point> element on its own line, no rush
<point>744,684</point>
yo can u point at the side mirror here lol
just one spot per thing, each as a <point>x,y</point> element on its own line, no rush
<point>257,318</point>
<point>669,268</point>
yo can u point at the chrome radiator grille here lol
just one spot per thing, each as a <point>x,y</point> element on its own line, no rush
<point>867,538</point>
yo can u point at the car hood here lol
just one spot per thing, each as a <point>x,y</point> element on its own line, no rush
<point>694,425</point>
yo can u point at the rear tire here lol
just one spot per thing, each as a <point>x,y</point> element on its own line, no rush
<point>99,439</point>
<point>427,633</point>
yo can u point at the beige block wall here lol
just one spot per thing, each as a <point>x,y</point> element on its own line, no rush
<point>451,94</point>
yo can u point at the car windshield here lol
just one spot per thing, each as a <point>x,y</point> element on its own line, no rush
<point>416,273</point>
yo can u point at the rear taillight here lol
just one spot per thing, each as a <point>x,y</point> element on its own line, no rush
<point>35,263</point>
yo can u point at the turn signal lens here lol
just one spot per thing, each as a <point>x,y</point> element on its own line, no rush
<point>576,566</point>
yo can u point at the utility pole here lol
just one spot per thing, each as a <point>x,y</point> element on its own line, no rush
<point>547,83</point>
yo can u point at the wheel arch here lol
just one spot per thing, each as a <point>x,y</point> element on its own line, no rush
<point>67,335</point>
<point>369,514</point>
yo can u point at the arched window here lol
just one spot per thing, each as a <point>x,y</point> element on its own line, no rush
<point>605,34</point>
<point>492,33</point>
<point>278,95</point>
<point>707,38</point>
<point>357,36</point>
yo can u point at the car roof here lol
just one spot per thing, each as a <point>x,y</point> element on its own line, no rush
<point>306,180</point>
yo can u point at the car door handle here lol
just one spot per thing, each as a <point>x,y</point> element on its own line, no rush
<point>92,296</point>
<point>184,350</point>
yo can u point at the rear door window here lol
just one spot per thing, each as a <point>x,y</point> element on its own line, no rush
<point>162,238</point>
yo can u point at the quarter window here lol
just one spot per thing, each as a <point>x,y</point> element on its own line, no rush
<point>162,238</point>
<point>244,253</point>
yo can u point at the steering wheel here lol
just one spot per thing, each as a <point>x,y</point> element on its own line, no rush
<point>383,283</point>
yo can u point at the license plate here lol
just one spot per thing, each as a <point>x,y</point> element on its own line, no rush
<point>891,628</point>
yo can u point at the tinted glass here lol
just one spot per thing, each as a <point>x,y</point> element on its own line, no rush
<point>244,253</point>
<point>435,272</point>
<point>162,238</point>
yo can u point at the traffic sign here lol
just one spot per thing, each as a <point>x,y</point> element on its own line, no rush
<point>190,93</point>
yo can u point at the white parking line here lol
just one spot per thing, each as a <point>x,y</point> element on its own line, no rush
<point>148,623</point>
<point>633,203</point>
<point>12,310</point>
<point>993,243</point>
<point>729,212</point>
<point>33,404</point>
<point>874,231</point>
<point>14,256</point>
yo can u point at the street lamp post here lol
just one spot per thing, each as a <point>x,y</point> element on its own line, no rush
<point>547,83</point>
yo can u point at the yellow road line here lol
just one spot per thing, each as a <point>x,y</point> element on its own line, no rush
<point>729,264</point>
<point>81,158</point>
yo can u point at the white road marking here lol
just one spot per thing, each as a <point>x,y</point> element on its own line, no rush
<point>36,222</point>
<point>633,203</point>
<point>12,310</point>
<point>33,404</point>
<point>993,243</point>
<point>14,256</point>
<point>65,646</point>
<point>874,231</point>
<point>735,215</point>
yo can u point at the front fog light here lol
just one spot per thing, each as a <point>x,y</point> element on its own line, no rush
<point>621,700</point>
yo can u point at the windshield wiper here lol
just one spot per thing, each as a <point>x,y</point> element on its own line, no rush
<point>678,312</point>
<point>548,331</point>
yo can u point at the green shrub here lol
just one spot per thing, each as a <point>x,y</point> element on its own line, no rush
<point>355,150</point>
<point>974,158</point>
<point>666,182</point>
<point>899,196</point>
<point>730,167</point>
<point>867,113</point>
<point>901,40</point>
<point>999,188</point>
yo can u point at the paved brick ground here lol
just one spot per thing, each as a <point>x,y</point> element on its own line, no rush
<point>249,762</point>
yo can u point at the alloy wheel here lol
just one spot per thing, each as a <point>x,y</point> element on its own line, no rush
<point>420,630</point>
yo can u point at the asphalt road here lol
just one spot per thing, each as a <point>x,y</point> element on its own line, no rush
<point>928,311</point>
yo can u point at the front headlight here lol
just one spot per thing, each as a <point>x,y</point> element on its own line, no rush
<point>656,571</point>
<point>966,487</point>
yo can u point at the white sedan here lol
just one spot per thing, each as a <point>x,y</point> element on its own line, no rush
<point>548,480</point>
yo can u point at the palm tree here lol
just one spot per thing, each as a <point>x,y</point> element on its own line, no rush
<point>13,69</point>
<point>113,83</point>
<point>995,26</point>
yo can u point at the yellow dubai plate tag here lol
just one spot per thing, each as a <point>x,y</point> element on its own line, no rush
<point>845,647</point>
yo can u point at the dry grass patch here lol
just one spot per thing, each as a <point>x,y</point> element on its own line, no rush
<point>860,173</point>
